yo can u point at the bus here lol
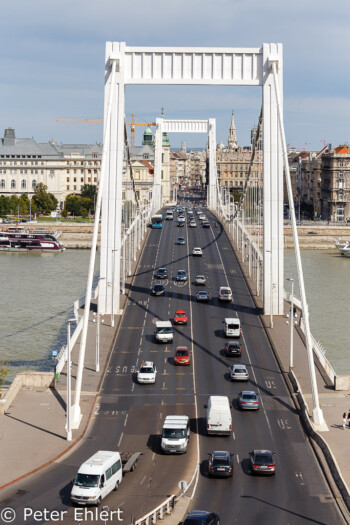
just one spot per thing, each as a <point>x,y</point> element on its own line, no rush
<point>157,221</point>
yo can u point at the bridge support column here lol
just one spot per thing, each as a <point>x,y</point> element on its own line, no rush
<point>110,256</point>
<point>212,190</point>
<point>157,181</point>
<point>273,282</point>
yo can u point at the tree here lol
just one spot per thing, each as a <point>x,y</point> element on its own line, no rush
<point>90,192</point>
<point>44,201</point>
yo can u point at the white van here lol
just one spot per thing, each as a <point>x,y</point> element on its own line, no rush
<point>164,332</point>
<point>219,420</point>
<point>232,327</point>
<point>97,477</point>
<point>175,434</point>
<point>225,293</point>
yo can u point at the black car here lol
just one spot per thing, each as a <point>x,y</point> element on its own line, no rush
<point>161,273</point>
<point>201,516</point>
<point>220,464</point>
<point>158,289</point>
<point>262,462</point>
<point>233,348</point>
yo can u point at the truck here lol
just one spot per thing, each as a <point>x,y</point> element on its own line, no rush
<point>219,419</point>
<point>100,474</point>
<point>164,332</point>
<point>175,434</point>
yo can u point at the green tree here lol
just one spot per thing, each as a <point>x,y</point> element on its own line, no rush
<point>23,204</point>
<point>45,202</point>
<point>73,204</point>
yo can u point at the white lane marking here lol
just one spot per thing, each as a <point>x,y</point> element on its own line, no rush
<point>120,439</point>
<point>126,418</point>
<point>233,435</point>
<point>133,387</point>
<point>143,480</point>
<point>237,457</point>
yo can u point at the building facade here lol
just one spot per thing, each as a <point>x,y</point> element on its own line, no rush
<point>63,168</point>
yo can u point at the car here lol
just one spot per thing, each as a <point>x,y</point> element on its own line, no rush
<point>158,289</point>
<point>202,296</point>
<point>197,251</point>
<point>196,517</point>
<point>201,217</point>
<point>147,373</point>
<point>225,293</point>
<point>205,224</point>
<point>233,348</point>
<point>262,462</point>
<point>181,276</point>
<point>193,224</point>
<point>312,233</point>
<point>248,400</point>
<point>180,224</point>
<point>220,464</point>
<point>161,273</point>
<point>200,280</point>
<point>238,373</point>
<point>182,356</point>
<point>180,317</point>
<point>181,240</point>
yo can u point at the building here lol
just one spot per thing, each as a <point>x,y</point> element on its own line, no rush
<point>335,184</point>
<point>63,168</point>
<point>233,161</point>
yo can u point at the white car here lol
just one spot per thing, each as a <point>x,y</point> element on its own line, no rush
<point>197,251</point>
<point>147,373</point>
<point>238,373</point>
<point>193,224</point>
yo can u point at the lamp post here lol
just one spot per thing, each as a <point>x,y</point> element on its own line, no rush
<point>291,315</point>
<point>30,207</point>
<point>69,384</point>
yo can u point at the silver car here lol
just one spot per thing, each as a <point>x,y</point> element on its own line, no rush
<point>238,373</point>
<point>248,400</point>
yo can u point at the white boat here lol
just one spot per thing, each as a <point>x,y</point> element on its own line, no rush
<point>343,246</point>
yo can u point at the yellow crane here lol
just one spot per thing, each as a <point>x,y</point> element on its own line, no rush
<point>100,121</point>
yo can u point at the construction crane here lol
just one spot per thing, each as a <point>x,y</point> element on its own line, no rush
<point>99,121</point>
<point>132,129</point>
<point>83,120</point>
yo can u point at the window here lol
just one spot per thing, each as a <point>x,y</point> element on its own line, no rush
<point>23,184</point>
<point>13,184</point>
<point>68,188</point>
<point>81,179</point>
<point>74,187</point>
<point>89,179</point>
<point>67,179</point>
<point>33,184</point>
<point>2,183</point>
<point>116,467</point>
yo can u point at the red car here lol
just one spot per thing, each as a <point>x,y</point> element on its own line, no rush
<point>182,356</point>
<point>180,317</point>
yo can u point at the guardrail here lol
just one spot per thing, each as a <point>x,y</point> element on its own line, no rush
<point>163,509</point>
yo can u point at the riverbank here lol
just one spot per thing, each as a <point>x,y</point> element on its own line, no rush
<point>79,235</point>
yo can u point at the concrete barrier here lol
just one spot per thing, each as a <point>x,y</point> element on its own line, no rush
<point>28,381</point>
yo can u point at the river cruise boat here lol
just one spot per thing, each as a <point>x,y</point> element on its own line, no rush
<point>16,239</point>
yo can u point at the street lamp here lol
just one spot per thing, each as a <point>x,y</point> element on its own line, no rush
<point>69,385</point>
<point>291,315</point>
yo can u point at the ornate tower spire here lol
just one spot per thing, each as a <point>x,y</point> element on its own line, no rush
<point>232,138</point>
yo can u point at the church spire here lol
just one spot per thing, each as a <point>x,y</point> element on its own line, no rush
<point>232,138</point>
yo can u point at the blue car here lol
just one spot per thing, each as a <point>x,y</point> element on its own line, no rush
<point>181,276</point>
<point>201,516</point>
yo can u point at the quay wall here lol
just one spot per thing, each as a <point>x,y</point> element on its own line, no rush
<point>79,235</point>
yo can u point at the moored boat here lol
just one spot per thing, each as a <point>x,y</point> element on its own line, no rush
<point>16,239</point>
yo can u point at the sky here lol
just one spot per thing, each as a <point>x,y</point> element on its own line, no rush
<point>52,66</point>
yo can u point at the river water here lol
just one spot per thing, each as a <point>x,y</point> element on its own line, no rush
<point>38,291</point>
<point>37,296</point>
